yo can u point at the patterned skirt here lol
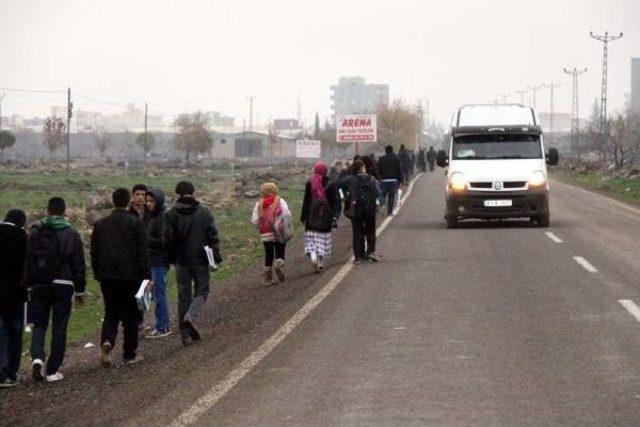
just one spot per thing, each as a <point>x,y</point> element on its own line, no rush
<point>320,243</point>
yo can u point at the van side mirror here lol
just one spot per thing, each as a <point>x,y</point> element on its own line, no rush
<point>552,157</point>
<point>442,159</point>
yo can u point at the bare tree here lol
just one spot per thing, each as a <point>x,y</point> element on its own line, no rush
<point>7,140</point>
<point>398,124</point>
<point>102,140</point>
<point>192,134</point>
<point>146,141</point>
<point>54,136</point>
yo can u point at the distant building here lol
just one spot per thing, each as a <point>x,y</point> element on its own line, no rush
<point>252,145</point>
<point>218,122</point>
<point>288,128</point>
<point>635,85</point>
<point>352,95</point>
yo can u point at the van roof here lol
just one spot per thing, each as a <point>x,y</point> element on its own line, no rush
<point>487,130</point>
<point>495,115</point>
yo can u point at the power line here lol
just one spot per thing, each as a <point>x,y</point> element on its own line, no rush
<point>534,89</point>
<point>9,89</point>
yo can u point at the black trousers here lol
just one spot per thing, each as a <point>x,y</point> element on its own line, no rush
<point>364,230</point>
<point>56,301</point>
<point>273,250</point>
<point>120,306</point>
<point>10,344</point>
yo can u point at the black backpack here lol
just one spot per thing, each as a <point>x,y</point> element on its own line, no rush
<point>43,257</point>
<point>362,203</point>
<point>320,215</point>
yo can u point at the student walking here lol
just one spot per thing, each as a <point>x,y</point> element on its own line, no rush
<point>318,216</point>
<point>13,248</point>
<point>137,205</point>
<point>391,176</point>
<point>189,227</point>
<point>55,268</point>
<point>263,218</point>
<point>159,262</point>
<point>361,209</point>
<point>120,260</point>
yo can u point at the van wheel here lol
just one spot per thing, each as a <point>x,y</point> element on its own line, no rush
<point>543,220</point>
<point>452,221</point>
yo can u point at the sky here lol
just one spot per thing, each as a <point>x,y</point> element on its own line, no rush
<point>186,55</point>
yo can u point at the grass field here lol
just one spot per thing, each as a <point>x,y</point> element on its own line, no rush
<point>239,241</point>
<point>626,189</point>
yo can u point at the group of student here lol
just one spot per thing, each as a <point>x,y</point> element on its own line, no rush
<point>137,241</point>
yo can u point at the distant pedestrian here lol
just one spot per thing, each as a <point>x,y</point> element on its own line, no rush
<point>120,261</point>
<point>405,163</point>
<point>372,166</point>
<point>13,249</point>
<point>263,218</point>
<point>391,177</point>
<point>189,227</point>
<point>159,262</point>
<point>361,209</point>
<point>55,268</point>
<point>422,159</point>
<point>431,159</point>
<point>318,216</point>
<point>137,205</point>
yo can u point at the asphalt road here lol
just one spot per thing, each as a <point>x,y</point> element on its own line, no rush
<point>490,324</point>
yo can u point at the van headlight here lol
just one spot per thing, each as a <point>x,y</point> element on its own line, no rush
<point>457,182</point>
<point>537,179</point>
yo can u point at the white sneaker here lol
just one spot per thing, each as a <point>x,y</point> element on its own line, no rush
<point>55,377</point>
<point>314,257</point>
<point>37,370</point>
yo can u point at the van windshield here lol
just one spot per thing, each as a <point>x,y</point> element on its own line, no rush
<point>502,146</point>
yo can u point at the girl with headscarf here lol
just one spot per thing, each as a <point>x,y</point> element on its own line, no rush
<point>318,215</point>
<point>264,213</point>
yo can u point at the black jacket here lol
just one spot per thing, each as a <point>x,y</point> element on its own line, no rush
<point>331,192</point>
<point>155,229</point>
<point>405,163</point>
<point>355,183</point>
<point>13,248</point>
<point>119,248</point>
<point>389,168</point>
<point>188,228</point>
<point>72,264</point>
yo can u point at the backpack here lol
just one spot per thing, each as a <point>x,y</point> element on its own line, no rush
<point>43,257</point>
<point>362,203</point>
<point>320,215</point>
<point>282,226</point>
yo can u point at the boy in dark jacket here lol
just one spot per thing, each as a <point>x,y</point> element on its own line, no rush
<point>391,177</point>
<point>159,262</point>
<point>189,227</point>
<point>120,260</point>
<point>13,248</point>
<point>55,268</point>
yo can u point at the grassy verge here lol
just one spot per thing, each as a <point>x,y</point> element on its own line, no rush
<point>239,241</point>
<point>626,189</point>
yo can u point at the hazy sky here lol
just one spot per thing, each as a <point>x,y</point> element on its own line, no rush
<point>184,55</point>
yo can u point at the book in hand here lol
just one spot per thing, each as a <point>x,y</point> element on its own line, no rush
<point>143,296</point>
<point>213,266</point>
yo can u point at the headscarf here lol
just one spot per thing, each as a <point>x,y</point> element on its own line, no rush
<point>317,189</point>
<point>269,192</point>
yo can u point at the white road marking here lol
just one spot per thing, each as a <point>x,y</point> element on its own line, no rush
<point>399,328</point>
<point>553,237</point>
<point>587,266</point>
<point>219,390</point>
<point>631,307</point>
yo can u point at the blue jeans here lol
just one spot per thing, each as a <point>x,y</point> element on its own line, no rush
<point>10,345</point>
<point>159,275</point>
<point>389,189</point>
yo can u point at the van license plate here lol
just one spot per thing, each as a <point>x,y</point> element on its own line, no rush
<point>497,203</point>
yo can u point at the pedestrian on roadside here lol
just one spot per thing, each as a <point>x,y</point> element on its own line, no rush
<point>422,159</point>
<point>318,216</point>
<point>55,269</point>
<point>263,218</point>
<point>361,209</point>
<point>372,166</point>
<point>189,227</point>
<point>120,261</point>
<point>13,249</point>
<point>391,177</point>
<point>137,206</point>
<point>431,159</point>
<point>405,163</point>
<point>159,262</point>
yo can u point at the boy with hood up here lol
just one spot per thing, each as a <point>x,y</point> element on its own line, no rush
<point>13,248</point>
<point>189,227</point>
<point>158,262</point>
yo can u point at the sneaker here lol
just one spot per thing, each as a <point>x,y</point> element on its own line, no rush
<point>357,261</point>
<point>195,332</point>
<point>158,334</point>
<point>55,377</point>
<point>133,361</point>
<point>373,257</point>
<point>314,257</point>
<point>37,370</point>
<point>105,358</point>
<point>278,268</point>
<point>8,383</point>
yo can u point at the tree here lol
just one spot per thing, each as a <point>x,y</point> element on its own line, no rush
<point>146,141</point>
<point>398,124</point>
<point>102,140</point>
<point>7,140</point>
<point>192,134</point>
<point>316,130</point>
<point>54,136</point>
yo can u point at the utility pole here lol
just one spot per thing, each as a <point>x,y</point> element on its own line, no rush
<point>551,87</point>
<point>69,115</point>
<point>251,98</point>
<point>575,116</point>
<point>604,121</point>
<point>504,97</point>
<point>534,89</point>
<point>522,93</point>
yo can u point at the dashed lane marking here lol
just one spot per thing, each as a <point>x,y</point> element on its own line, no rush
<point>584,263</point>
<point>631,307</point>
<point>219,390</point>
<point>553,237</point>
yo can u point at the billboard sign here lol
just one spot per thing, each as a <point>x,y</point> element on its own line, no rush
<point>308,149</point>
<point>356,128</point>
